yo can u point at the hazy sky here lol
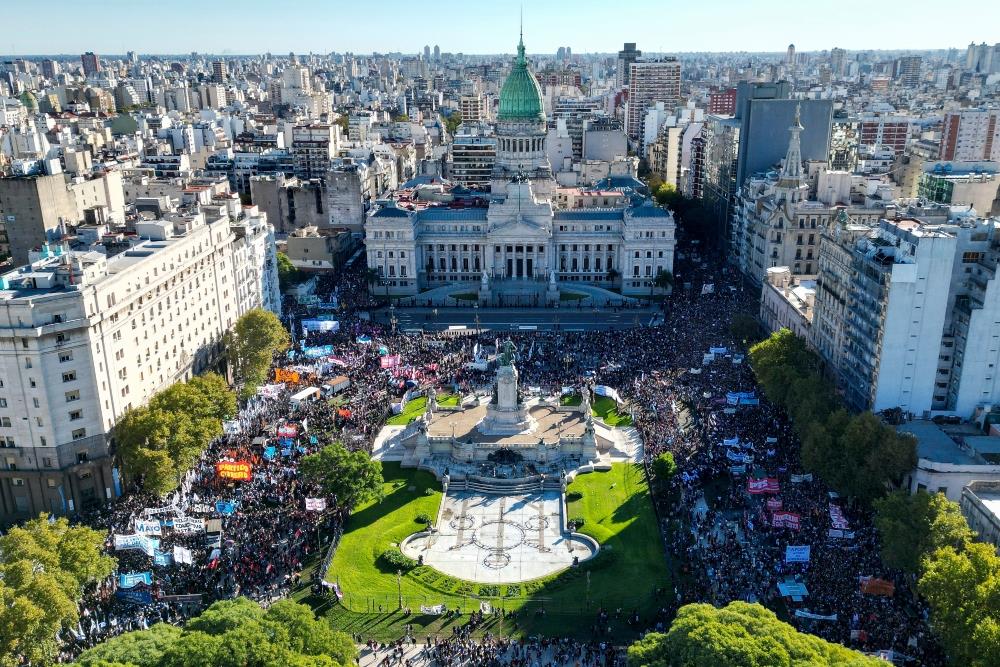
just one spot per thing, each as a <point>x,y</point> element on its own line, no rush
<point>486,26</point>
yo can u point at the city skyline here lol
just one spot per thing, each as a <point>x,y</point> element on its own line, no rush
<point>586,26</point>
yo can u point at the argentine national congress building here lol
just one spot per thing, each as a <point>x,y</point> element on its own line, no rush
<point>525,228</point>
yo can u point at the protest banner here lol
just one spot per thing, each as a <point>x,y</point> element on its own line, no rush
<point>133,579</point>
<point>875,586</point>
<point>801,613</point>
<point>182,597</point>
<point>797,554</point>
<point>225,507</point>
<point>183,555</point>
<point>141,543</point>
<point>785,520</point>
<point>187,525</point>
<point>235,470</point>
<point>765,485</point>
<point>140,597</point>
<point>604,390</point>
<point>390,361</point>
<point>163,558</point>
<point>143,527</point>
<point>774,504</point>
<point>837,519</point>
<point>320,325</point>
<point>315,504</point>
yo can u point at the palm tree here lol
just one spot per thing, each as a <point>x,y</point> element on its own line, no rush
<point>613,275</point>
<point>664,280</point>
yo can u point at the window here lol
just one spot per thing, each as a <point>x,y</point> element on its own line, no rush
<point>69,376</point>
<point>75,414</point>
<point>65,356</point>
<point>47,462</point>
<point>72,395</point>
<point>5,421</point>
<point>79,434</point>
<point>3,402</point>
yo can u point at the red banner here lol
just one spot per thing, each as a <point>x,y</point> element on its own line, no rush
<point>766,485</point>
<point>785,520</point>
<point>389,361</point>
<point>774,504</point>
<point>238,470</point>
<point>873,586</point>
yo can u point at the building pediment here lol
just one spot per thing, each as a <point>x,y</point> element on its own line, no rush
<point>519,228</point>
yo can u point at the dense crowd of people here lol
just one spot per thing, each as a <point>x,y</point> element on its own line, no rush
<point>678,378</point>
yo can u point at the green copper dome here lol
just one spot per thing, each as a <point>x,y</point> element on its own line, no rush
<point>521,95</point>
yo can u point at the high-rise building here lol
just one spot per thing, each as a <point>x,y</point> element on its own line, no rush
<point>907,70</point>
<point>34,210</point>
<point>437,53</point>
<point>837,57</point>
<point>471,156</point>
<point>472,108</point>
<point>91,64</point>
<point>790,56</point>
<point>651,81</point>
<point>219,71</point>
<point>971,135</point>
<point>313,146</point>
<point>50,68</point>
<point>722,103</point>
<point>626,57</point>
<point>98,335</point>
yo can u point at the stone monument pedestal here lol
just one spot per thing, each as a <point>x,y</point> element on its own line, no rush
<point>552,291</point>
<point>506,414</point>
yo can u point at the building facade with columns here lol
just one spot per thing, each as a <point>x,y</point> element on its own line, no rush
<point>519,230</point>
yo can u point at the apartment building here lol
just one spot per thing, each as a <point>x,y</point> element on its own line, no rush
<point>84,337</point>
<point>651,81</point>
<point>971,135</point>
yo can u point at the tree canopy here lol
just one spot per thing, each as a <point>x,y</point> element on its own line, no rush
<point>288,275</point>
<point>232,633</point>
<point>44,566</point>
<point>160,441</point>
<point>664,467</point>
<point>351,477</point>
<point>857,455</point>
<point>252,343</point>
<point>740,634</point>
<point>962,587</point>
<point>912,526</point>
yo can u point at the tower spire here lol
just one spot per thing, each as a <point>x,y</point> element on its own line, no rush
<point>791,171</point>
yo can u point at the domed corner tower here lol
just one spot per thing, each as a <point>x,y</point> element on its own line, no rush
<point>521,130</point>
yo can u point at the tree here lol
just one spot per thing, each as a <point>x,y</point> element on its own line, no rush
<point>373,277</point>
<point>664,280</point>
<point>666,194</point>
<point>44,566</point>
<point>452,121</point>
<point>288,275</point>
<point>745,328</point>
<point>664,467</point>
<point>232,633</point>
<point>160,441</point>
<point>962,588</point>
<point>740,634</point>
<point>613,274</point>
<point>252,343</point>
<point>142,648</point>
<point>779,359</point>
<point>875,454</point>
<point>351,477</point>
<point>914,526</point>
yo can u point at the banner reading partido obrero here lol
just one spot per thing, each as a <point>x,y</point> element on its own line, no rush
<point>238,470</point>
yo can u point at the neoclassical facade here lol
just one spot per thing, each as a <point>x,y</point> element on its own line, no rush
<point>519,232</point>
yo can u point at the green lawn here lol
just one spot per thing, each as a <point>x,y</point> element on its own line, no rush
<point>449,400</point>
<point>411,411</point>
<point>465,296</point>
<point>616,510</point>
<point>571,296</point>
<point>607,410</point>
<point>570,399</point>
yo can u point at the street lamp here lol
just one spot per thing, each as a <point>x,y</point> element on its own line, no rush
<point>476,306</point>
<point>399,587</point>
<point>392,317</point>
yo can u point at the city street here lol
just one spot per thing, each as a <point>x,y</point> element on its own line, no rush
<point>499,319</point>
